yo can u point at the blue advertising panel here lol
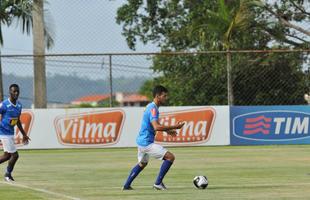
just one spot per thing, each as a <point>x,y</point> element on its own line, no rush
<point>258,125</point>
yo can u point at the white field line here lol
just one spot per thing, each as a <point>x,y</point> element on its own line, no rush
<point>41,190</point>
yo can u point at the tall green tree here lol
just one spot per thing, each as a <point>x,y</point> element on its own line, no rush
<point>228,18</point>
<point>183,25</point>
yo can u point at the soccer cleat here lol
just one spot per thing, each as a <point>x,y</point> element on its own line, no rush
<point>8,177</point>
<point>159,187</point>
<point>127,188</point>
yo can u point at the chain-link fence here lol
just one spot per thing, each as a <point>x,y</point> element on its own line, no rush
<point>277,77</point>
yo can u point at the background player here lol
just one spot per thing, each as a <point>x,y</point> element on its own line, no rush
<point>10,111</point>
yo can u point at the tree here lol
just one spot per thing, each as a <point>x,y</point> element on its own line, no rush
<point>286,21</point>
<point>183,25</point>
<point>10,11</point>
<point>279,80</point>
<point>224,22</point>
<point>191,79</point>
<point>30,14</point>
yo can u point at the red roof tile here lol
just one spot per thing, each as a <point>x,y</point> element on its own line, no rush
<point>92,98</point>
<point>134,98</point>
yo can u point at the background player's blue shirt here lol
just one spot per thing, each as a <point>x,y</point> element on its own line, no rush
<point>9,117</point>
<point>147,133</point>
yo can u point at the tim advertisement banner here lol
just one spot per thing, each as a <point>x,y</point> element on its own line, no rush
<point>258,125</point>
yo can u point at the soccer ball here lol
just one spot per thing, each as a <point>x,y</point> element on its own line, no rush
<point>201,182</point>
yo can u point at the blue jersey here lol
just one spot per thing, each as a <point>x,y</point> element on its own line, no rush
<point>147,133</point>
<point>9,116</point>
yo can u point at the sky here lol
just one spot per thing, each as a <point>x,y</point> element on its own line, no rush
<point>79,26</point>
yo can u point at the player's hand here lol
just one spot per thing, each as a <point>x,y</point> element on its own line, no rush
<point>180,124</point>
<point>26,139</point>
<point>173,133</point>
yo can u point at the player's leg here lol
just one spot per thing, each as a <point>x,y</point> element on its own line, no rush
<point>4,157</point>
<point>168,161</point>
<point>9,147</point>
<point>163,154</point>
<point>143,159</point>
<point>11,164</point>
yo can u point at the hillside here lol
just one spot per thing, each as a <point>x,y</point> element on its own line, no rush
<point>63,89</point>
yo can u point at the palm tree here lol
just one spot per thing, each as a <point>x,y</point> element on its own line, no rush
<point>228,18</point>
<point>29,13</point>
<point>39,34</point>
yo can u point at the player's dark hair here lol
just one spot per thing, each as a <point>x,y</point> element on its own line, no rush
<point>13,85</point>
<point>158,89</point>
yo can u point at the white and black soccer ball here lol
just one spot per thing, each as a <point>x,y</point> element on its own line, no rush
<point>201,182</point>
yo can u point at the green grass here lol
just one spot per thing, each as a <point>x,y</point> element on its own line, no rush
<point>248,172</point>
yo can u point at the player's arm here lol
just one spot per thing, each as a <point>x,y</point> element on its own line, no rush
<point>154,119</point>
<point>20,127</point>
<point>159,127</point>
<point>171,130</point>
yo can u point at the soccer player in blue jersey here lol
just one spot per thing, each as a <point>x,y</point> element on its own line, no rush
<point>10,111</point>
<point>145,140</point>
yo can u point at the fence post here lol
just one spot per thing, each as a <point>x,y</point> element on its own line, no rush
<point>110,76</point>
<point>230,93</point>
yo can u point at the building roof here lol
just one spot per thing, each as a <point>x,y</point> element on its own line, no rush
<point>126,97</point>
<point>134,98</point>
<point>91,98</point>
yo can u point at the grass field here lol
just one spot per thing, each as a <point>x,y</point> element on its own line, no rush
<point>249,172</point>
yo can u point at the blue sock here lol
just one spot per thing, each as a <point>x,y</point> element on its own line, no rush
<point>9,169</point>
<point>134,172</point>
<point>163,171</point>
